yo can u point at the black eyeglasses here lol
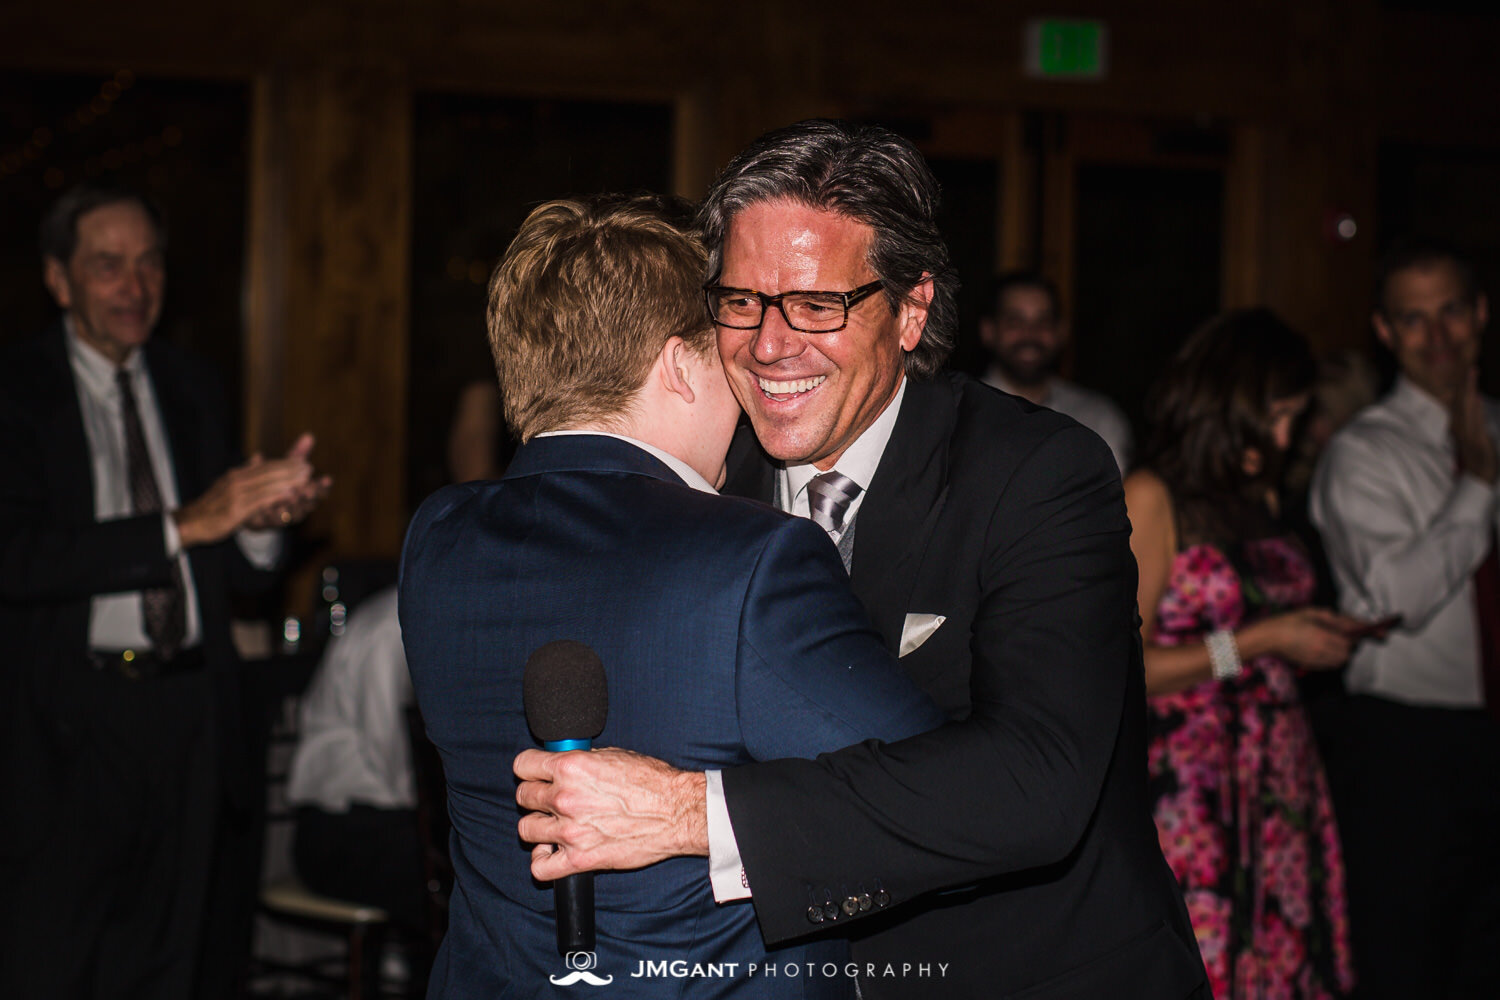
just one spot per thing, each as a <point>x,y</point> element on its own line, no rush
<point>810,312</point>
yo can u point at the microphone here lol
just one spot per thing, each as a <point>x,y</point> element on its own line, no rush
<point>567,700</point>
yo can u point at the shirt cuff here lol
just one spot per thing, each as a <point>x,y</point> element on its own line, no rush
<point>170,535</point>
<point>725,870</point>
<point>261,548</point>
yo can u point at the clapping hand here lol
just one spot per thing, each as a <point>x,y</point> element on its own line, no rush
<point>303,497</point>
<point>258,494</point>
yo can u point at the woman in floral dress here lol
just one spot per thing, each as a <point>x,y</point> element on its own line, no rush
<point>1240,798</point>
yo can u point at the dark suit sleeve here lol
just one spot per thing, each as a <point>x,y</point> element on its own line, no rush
<point>812,674</point>
<point>1013,786</point>
<point>44,559</point>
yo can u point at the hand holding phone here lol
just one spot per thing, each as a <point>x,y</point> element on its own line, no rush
<point>1377,629</point>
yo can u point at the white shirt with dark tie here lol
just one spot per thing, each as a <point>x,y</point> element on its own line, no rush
<point>115,620</point>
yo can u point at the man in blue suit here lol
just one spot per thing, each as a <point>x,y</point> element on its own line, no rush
<point>607,529</point>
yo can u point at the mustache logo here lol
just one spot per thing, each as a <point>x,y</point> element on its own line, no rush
<point>581,976</point>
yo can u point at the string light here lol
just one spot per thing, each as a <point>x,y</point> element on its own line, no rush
<point>79,118</point>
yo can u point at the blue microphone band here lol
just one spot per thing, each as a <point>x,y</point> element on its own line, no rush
<point>558,746</point>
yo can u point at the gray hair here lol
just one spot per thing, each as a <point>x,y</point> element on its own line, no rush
<point>869,174</point>
<point>59,228</point>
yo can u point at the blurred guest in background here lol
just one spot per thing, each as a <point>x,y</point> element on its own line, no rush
<point>1241,802</point>
<point>351,776</point>
<point>124,521</point>
<point>1346,383</point>
<point>1026,337</point>
<point>1405,497</point>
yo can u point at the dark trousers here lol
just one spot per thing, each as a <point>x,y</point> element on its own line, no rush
<point>1417,791</point>
<point>366,855</point>
<point>112,904</point>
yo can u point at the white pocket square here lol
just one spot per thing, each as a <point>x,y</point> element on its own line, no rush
<point>917,628</point>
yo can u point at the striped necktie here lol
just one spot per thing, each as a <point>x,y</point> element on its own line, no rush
<point>829,495</point>
<point>163,608</point>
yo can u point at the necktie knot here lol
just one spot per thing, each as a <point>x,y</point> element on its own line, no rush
<point>829,495</point>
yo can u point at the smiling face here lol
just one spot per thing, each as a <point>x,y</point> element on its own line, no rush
<point>112,286</point>
<point>1432,325</point>
<point>1025,335</point>
<point>811,395</point>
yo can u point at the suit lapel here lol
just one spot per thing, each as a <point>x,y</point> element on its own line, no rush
<point>903,503</point>
<point>900,508</point>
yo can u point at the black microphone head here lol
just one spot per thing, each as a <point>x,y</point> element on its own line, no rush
<point>566,695</point>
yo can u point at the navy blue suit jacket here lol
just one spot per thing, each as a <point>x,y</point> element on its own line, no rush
<point>728,634</point>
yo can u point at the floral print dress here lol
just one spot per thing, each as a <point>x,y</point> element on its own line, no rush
<point>1238,789</point>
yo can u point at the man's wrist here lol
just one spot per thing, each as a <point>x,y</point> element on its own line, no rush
<point>187,533</point>
<point>691,795</point>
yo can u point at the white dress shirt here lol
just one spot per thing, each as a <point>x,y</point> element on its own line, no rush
<point>115,620</point>
<point>352,744</point>
<point>1093,410</point>
<point>859,461</point>
<point>1404,535</point>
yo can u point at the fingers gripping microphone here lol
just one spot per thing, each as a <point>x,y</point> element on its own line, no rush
<point>567,700</point>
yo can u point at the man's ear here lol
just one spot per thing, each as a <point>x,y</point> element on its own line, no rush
<point>1383,330</point>
<point>913,315</point>
<point>673,367</point>
<point>1481,311</point>
<point>1064,334</point>
<point>55,277</point>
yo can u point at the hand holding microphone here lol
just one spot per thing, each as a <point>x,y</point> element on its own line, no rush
<point>567,702</point>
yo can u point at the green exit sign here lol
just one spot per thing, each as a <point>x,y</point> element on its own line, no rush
<point>1066,48</point>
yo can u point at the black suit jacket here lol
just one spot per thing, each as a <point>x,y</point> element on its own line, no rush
<point>1030,809</point>
<point>54,557</point>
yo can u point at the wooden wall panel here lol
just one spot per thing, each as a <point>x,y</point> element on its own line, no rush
<point>330,254</point>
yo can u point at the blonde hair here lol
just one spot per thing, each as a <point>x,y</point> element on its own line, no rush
<point>583,301</point>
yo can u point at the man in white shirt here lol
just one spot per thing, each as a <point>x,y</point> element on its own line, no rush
<point>122,518</point>
<point>1026,337</point>
<point>1405,498</point>
<point>351,776</point>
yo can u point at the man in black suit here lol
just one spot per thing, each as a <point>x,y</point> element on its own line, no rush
<point>123,519</point>
<point>989,544</point>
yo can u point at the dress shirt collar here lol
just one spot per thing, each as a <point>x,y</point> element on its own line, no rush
<point>93,369</point>
<point>684,471</point>
<point>860,460</point>
<point>1414,405</point>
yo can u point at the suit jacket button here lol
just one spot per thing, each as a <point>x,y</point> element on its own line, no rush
<point>865,902</point>
<point>815,914</point>
<point>882,898</point>
<point>831,910</point>
<point>851,906</point>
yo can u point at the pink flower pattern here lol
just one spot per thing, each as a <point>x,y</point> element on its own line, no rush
<point>1240,798</point>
